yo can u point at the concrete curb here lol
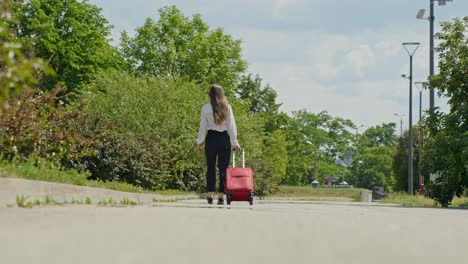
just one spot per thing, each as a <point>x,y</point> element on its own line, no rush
<point>66,193</point>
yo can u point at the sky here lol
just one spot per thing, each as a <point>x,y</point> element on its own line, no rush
<point>342,56</point>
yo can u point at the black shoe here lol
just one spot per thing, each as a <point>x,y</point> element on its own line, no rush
<point>210,200</point>
<point>220,201</point>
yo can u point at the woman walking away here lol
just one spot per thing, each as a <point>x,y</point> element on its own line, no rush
<point>217,118</point>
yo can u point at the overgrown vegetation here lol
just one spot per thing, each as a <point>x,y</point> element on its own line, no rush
<point>126,118</point>
<point>32,171</point>
<point>310,192</point>
<point>421,201</point>
<point>446,149</point>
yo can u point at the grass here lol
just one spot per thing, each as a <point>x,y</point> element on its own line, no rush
<point>408,200</point>
<point>76,201</point>
<point>309,191</point>
<point>421,201</point>
<point>29,171</point>
<point>110,202</point>
<point>22,202</point>
<point>126,201</point>
<point>460,202</point>
<point>167,200</point>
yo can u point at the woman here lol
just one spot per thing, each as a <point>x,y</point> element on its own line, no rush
<point>217,118</point>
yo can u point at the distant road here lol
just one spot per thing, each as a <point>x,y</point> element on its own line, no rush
<point>192,232</point>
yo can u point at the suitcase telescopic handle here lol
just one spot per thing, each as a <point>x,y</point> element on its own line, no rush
<point>234,158</point>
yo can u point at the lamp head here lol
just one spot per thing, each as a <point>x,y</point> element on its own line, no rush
<point>421,85</point>
<point>444,2</point>
<point>420,14</point>
<point>411,47</point>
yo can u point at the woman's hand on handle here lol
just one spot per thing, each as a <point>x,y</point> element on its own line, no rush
<point>199,149</point>
<point>237,148</point>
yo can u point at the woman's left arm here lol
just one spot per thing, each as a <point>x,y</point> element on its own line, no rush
<point>232,129</point>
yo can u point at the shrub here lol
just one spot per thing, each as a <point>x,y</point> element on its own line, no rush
<point>38,125</point>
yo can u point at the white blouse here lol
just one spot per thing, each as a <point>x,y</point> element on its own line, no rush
<point>207,123</point>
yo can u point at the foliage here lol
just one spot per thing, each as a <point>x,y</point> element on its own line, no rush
<point>136,117</point>
<point>17,71</point>
<point>310,135</point>
<point>421,201</point>
<point>270,167</point>
<point>127,201</point>
<point>37,125</point>
<point>21,201</point>
<point>379,136</point>
<point>32,171</point>
<point>263,100</point>
<point>72,36</point>
<point>375,168</point>
<point>446,150</point>
<point>177,46</point>
<point>373,158</point>
<point>309,192</point>
<point>400,162</point>
<point>147,129</point>
<point>405,199</point>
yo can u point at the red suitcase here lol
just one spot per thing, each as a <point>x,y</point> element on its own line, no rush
<point>239,182</point>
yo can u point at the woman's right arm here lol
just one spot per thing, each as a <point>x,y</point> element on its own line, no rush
<point>201,129</point>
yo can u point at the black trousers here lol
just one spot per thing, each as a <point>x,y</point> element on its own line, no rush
<point>217,146</point>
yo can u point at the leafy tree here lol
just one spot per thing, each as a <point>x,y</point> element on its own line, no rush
<point>446,149</point>
<point>380,135</point>
<point>147,128</point>
<point>271,165</point>
<point>319,134</point>
<point>263,100</point>
<point>374,168</point>
<point>72,36</point>
<point>373,159</point>
<point>17,72</point>
<point>38,126</point>
<point>177,46</point>
<point>400,162</point>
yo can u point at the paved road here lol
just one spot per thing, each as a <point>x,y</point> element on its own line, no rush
<point>191,232</point>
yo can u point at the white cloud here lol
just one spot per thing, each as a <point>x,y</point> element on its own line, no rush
<point>360,59</point>
<point>353,76</point>
<point>279,6</point>
<point>318,55</point>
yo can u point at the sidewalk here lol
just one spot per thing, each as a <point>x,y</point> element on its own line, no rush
<point>63,193</point>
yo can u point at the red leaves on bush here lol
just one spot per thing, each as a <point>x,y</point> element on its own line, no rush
<point>40,125</point>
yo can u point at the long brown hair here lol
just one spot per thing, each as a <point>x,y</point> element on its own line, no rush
<point>219,103</point>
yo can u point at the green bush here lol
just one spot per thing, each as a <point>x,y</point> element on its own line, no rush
<point>147,129</point>
<point>39,126</point>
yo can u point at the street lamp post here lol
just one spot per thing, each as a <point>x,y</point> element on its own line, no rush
<point>316,182</point>
<point>401,122</point>
<point>420,86</point>
<point>316,166</point>
<point>431,19</point>
<point>411,48</point>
